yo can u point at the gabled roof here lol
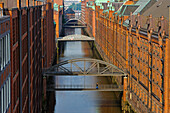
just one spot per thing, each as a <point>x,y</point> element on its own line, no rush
<point>143,6</point>
<point>125,10</point>
<point>160,8</point>
<point>139,7</point>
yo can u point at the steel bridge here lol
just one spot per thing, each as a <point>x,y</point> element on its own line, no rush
<point>75,23</point>
<point>75,38</point>
<point>86,67</point>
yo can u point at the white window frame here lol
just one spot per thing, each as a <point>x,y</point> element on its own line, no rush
<point>2,101</point>
<point>1,46</point>
<point>8,47</point>
<point>5,97</point>
<point>9,89</point>
<point>7,94</point>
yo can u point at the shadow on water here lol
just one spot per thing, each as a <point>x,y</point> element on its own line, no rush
<point>81,101</point>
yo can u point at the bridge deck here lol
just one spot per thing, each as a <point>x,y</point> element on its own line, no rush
<point>79,74</point>
<point>105,87</point>
<point>74,26</point>
<point>53,89</point>
<point>75,38</point>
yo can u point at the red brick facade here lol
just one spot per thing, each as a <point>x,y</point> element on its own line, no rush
<point>5,64</point>
<point>37,51</point>
<point>59,2</point>
<point>24,3</point>
<point>141,49</point>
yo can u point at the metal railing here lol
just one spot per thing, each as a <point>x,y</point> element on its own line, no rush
<point>86,87</point>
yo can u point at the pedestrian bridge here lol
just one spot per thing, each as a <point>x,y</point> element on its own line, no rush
<point>101,87</point>
<point>75,38</point>
<point>84,67</point>
<point>75,23</point>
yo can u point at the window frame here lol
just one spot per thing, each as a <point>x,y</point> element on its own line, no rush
<point>1,55</point>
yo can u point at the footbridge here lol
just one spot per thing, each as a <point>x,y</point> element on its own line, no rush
<point>75,38</point>
<point>87,67</point>
<point>75,23</point>
<point>92,87</point>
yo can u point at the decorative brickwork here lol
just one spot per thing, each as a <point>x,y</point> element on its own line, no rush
<point>140,47</point>
<point>37,52</point>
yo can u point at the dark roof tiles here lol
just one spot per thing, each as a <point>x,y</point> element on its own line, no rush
<point>160,8</point>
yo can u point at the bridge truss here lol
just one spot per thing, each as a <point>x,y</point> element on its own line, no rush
<point>86,67</point>
<point>75,23</point>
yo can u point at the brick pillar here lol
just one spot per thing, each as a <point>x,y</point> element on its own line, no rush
<point>167,71</point>
<point>125,84</point>
<point>44,87</point>
<point>2,5</point>
<point>127,53</point>
<point>27,3</point>
<point>166,76</point>
<point>94,23</point>
<point>150,62</point>
<point>106,37</point>
<point>117,40</point>
<point>56,19</point>
<point>110,14</point>
<point>138,52</point>
<point>114,41</point>
<point>18,3</point>
<point>12,61</point>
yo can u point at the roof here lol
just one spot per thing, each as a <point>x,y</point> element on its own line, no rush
<point>70,11</point>
<point>4,18</point>
<point>143,6</point>
<point>159,9</point>
<point>125,10</point>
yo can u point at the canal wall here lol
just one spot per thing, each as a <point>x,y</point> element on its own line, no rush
<point>139,47</point>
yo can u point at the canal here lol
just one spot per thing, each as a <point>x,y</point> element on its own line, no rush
<point>81,101</point>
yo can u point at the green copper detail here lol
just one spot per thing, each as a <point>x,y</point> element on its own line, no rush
<point>55,7</point>
<point>93,7</point>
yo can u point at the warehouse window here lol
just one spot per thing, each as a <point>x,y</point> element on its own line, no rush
<point>1,55</point>
<point>8,47</point>
<point>4,51</point>
<point>5,96</point>
<point>2,110</point>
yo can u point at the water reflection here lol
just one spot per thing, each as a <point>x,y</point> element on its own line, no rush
<point>81,101</point>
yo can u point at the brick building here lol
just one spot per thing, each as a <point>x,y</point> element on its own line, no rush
<point>32,46</point>
<point>59,2</point>
<point>15,3</point>
<point>139,45</point>
<point>58,18</point>
<point>5,64</point>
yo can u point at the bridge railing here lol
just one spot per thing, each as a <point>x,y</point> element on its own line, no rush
<point>85,86</point>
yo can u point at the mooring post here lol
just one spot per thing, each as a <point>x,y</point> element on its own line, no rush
<point>124,87</point>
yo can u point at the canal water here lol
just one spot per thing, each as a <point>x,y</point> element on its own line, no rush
<point>81,101</point>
